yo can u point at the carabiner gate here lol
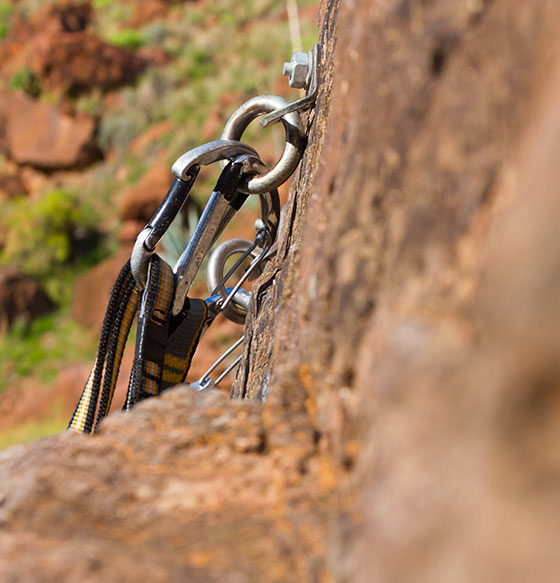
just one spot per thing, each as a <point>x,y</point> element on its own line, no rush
<point>186,170</point>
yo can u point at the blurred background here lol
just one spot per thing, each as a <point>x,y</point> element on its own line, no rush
<point>97,100</point>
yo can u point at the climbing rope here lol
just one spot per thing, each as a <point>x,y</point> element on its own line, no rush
<point>170,323</point>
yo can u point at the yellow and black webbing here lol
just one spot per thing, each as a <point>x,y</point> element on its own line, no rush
<point>153,326</point>
<point>165,344</point>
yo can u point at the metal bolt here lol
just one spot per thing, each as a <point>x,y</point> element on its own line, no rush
<point>298,70</point>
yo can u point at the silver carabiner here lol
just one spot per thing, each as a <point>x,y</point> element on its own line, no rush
<point>215,275</point>
<point>234,303</point>
<point>186,170</point>
<point>206,382</point>
<point>224,202</point>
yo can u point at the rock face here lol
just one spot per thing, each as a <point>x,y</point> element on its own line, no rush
<point>44,137</point>
<point>20,298</point>
<point>415,293</point>
<point>406,340</point>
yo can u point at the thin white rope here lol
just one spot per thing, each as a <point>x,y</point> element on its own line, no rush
<point>293,22</point>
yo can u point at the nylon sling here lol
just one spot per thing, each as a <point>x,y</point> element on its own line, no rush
<point>165,344</point>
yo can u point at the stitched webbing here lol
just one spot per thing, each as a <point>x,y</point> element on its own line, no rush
<point>151,338</point>
<point>185,332</point>
<point>165,344</point>
<point>117,342</point>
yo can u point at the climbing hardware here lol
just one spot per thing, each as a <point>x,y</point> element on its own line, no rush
<point>170,323</point>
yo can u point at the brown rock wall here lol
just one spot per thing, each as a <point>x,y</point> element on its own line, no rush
<point>382,313</point>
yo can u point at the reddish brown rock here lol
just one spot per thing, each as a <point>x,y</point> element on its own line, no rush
<point>61,16</point>
<point>41,136</point>
<point>11,184</point>
<point>21,298</point>
<point>64,56</point>
<point>406,338</point>
<point>17,50</point>
<point>74,62</point>
<point>414,301</point>
<point>140,201</point>
<point>93,289</point>
<point>67,16</point>
<point>217,493</point>
<point>129,231</point>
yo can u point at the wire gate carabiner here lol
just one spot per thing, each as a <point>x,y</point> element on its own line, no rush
<point>226,199</point>
<point>255,252</point>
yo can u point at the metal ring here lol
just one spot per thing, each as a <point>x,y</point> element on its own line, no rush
<point>293,149</point>
<point>237,310</point>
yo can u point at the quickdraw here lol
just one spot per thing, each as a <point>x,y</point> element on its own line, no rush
<point>170,323</point>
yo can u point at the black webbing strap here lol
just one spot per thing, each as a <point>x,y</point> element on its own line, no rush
<point>185,331</point>
<point>165,344</point>
<point>124,293</point>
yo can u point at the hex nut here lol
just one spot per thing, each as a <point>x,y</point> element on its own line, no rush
<point>298,70</point>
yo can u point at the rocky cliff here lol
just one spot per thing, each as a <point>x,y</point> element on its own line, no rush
<point>406,340</point>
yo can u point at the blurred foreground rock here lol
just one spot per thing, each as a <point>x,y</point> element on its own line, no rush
<point>190,487</point>
<point>416,293</point>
